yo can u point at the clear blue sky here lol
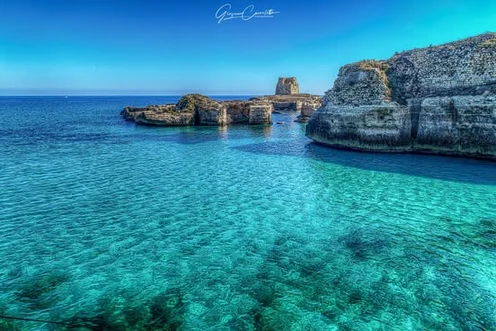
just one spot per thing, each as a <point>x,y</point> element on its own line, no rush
<point>175,47</point>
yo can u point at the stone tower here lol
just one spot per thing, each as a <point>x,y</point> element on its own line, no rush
<point>287,85</point>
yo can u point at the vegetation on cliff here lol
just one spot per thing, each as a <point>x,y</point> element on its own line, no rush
<point>438,99</point>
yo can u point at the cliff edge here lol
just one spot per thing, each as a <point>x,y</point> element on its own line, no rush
<point>439,100</point>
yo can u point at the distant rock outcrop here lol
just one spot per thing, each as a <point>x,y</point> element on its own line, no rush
<point>159,115</point>
<point>196,109</point>
<point>439,100</point>
<point>287,86</point>
<point>295,102</point>
<point>307,109</point>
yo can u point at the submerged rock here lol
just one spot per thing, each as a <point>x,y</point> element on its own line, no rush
<point>439,100</point>
<point>40,286</point>
<point>196,109</point>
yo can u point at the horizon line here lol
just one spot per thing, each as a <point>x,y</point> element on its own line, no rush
<point>122,95</point>
<point>132,95</point>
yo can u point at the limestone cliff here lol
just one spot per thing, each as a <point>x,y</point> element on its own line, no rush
<point>196,109</point>
<point>439,100</point>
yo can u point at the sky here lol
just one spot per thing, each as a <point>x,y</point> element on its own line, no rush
<point>124,47</point>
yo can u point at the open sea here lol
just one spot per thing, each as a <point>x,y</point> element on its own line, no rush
<point>105,225</point>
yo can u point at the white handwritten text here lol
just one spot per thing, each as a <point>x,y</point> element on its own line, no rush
<point>225,13</point>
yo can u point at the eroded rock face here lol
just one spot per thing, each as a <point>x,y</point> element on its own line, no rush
<point>307,109</point>
<point>238,112</point>
<point>287,85</point>
<point>384,127</point>
<point>439,100</point>
<point>304,103</point>
<point>260,113</point>
<point>167,119</point>
<point>158,115</point>
<point>463,125</point>
<point>196,109</point>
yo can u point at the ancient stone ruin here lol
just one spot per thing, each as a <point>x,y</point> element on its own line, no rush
<point>289,98</point>
<point>439,100</point>
<point>287,86</point>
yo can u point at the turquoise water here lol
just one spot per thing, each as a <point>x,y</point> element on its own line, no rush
<point>113,226</point>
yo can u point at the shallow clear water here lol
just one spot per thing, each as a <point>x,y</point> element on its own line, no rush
<point>240,228</point>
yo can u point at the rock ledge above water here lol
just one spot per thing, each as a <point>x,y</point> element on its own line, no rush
<point>197,109</point>
<point>438,100</point>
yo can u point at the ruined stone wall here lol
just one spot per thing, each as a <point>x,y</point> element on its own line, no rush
<point>287,85</point>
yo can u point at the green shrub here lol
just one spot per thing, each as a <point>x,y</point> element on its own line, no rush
<point>490,43</point>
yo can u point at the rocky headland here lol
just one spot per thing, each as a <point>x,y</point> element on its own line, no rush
<point>439,100</point>
<point>197,109</point>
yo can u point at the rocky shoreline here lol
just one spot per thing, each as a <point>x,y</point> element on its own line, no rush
<point>197,109</point>
<point>437,100</point>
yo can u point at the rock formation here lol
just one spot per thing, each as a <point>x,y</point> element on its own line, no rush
<point>439,100</point>
<point>196,109</point>
<point>307,109</point>
<point>295,102</point>
<point>287,86</point>
<point>158,115</point>
<point>289,98</point>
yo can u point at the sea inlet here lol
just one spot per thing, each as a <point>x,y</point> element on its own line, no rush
<point>106,225</point>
